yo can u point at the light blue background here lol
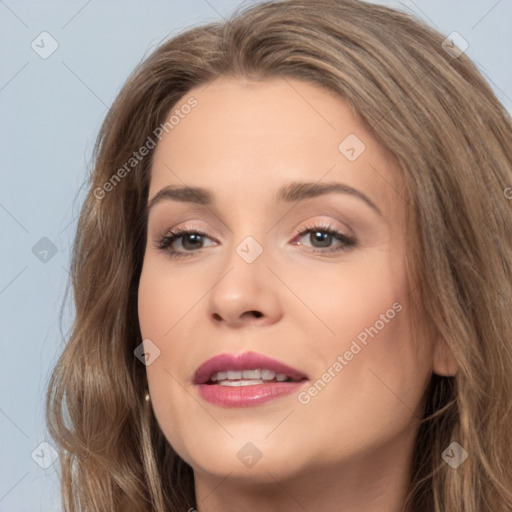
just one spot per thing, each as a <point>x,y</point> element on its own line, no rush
<point>51,110</point>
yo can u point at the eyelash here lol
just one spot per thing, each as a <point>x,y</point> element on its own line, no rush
<point>166,241</point>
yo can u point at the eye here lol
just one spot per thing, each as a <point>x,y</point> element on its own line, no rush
<point>191,241</point>
<point>320,236</point>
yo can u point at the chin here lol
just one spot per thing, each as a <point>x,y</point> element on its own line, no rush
<point>260,461</point>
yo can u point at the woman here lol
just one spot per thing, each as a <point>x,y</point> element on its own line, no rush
<point>292,276</point>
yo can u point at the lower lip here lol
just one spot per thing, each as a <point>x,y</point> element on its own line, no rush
<point>247,396</point>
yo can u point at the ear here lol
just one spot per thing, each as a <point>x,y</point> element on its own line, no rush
<point>443,360</point>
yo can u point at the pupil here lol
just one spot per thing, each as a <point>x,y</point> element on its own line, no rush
<point>323,238</point>
<point>193,236</point>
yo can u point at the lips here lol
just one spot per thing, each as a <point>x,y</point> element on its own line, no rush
<point>246,380</point>
<point>240,362</point>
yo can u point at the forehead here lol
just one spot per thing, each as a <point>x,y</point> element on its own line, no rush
<point>249,138</point>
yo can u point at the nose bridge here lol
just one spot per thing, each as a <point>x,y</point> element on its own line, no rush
<point>249,232</point>
<point>250,249</point>
<point>247,257</point>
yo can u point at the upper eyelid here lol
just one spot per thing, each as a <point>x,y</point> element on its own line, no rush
<point>212,214</point>
<point>304,225</point>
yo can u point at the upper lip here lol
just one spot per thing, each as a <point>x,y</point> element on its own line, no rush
<point>244,361</point>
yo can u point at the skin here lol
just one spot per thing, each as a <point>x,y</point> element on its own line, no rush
<point>352,443</point>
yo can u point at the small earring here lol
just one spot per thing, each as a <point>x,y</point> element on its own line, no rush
<point>147,397</point>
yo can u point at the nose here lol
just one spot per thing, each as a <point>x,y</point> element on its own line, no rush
<point>246,293</point>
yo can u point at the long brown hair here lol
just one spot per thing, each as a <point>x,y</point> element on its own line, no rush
<point>452,139</point>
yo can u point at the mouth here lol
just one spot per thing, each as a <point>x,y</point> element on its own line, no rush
<point>247,379</point>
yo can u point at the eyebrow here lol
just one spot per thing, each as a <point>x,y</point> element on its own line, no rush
<point>295,191</point>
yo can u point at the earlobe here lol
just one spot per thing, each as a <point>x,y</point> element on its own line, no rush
<point>444,362</point>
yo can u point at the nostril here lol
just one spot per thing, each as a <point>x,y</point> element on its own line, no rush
<point>257,314</point>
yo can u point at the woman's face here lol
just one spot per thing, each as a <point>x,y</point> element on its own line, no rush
<point>333,307</point>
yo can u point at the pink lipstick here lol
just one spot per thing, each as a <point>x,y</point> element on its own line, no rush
<point>246,380</point>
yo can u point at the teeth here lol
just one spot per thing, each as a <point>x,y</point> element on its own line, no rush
<point>251,374</point>
<point>268,374</point>
<point>219,376</point>
<point>247,377</point>
<point>234,383</point>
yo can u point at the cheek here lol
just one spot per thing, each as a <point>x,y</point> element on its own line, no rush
<point>354,299</point>
<point>165,301</point>
<point>371,372</point>
<point>164,298</point>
